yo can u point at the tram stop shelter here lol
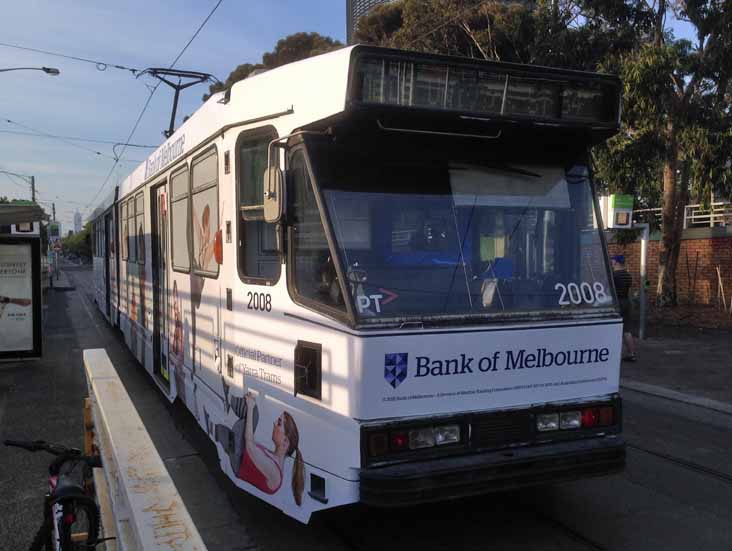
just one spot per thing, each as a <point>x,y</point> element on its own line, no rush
<point>20,280</point>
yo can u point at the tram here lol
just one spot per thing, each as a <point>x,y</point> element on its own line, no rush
<point>379,276</point>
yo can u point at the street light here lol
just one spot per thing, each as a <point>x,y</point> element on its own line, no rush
<point>48,70</point>
<point>30,179</point>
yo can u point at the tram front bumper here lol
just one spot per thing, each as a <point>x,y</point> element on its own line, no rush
<point>454,477</point>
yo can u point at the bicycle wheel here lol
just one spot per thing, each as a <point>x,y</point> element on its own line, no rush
<point>42,540</point>
<point>78,526</point>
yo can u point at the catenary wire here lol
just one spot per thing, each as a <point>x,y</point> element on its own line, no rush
<point>100,65</point>
<point>52,136</point>
<point>147,103</point>
<point>74,138</point>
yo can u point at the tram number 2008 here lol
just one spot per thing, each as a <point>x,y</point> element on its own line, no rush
<point>584,292</point>
<point>261,302</point>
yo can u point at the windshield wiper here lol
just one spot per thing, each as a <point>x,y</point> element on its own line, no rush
<point>506,168</point>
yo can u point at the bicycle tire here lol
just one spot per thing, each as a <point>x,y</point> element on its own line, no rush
<point>43,538</point>
<point>93,515</point>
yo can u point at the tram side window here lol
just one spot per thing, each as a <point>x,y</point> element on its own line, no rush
<point>179,220</point>
<point>258,258</point>
<point>314,269</point>
<point>125,230</point>
<point>100,240</point>
<point>140,226</point>
<point>132,231</point>
<point>205,211</point>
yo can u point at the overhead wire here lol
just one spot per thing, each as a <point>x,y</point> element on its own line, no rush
<point>70,141</point>
<point>73,138</point>
<point>100,65</point>
<point>52,136</point>
<point>147,103</point>
<point>12,181</point>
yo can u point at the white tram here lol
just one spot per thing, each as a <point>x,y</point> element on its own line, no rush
<point>379,276</point>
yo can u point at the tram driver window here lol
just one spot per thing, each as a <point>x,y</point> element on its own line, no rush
<point>314,268</point>
<point>258,258</point>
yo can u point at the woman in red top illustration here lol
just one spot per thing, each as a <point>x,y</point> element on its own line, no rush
<point>263,468</point>
<point>177,324</point>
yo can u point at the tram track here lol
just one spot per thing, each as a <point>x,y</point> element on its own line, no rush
<point>688,465</point>
<point>358,539</point>
<point>571,532</point>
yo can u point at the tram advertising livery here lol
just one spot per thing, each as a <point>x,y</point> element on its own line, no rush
<point>379,276</point>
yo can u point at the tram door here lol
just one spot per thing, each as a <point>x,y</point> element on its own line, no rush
<point>108,226</point>
<point>159,240</point>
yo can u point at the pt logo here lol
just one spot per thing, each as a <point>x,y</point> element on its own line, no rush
<point>395,368</point>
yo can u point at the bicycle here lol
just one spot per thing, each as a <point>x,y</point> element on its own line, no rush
<point>71,515</point>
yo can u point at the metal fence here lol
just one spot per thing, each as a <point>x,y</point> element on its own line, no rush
<point>695,216</point>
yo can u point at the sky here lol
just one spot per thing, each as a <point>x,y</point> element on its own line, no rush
<point>85,102</point>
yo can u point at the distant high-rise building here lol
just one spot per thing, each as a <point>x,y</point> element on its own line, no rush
<point>77,222</point>
<point>356,9</point>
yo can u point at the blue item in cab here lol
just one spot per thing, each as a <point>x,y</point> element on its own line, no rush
<point>501,268</point>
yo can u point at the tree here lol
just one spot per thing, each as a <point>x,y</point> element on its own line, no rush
<point>78,243</point>
<point>287,50</point>
<point>676,122</point>
<point>676,134</point>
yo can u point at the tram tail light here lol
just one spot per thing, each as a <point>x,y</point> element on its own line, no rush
<point>399,441</point>
<point>607,416</point>
<point>382,443</point>
<point>598,417</point>
<point>590,418</point>
<point>587,418</point>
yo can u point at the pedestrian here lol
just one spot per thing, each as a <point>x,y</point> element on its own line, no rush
<point>623,282</point>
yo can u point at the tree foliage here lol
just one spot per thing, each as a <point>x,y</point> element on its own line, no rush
<point>287,50</point>
<point>78,243</point>
<point>675,142</point>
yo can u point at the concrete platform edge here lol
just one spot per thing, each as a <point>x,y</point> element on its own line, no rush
<point>669,394</point>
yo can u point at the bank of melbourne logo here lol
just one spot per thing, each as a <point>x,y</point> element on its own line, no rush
<point>395,368</point>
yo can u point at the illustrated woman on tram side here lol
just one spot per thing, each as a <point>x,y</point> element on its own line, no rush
<point>263,468</point>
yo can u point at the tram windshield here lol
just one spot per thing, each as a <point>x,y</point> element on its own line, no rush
<point>424,238</point>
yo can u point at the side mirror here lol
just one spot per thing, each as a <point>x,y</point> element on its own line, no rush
<point>273,194</point>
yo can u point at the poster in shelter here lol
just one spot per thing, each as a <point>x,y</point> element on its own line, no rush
<point>16,297</point>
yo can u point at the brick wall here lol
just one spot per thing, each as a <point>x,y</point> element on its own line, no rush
<point>699,256</point>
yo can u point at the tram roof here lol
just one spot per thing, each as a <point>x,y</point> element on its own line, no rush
<point>367,77</point>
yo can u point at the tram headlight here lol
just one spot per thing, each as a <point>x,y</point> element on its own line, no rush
<point>421,438</point>
<point>447,434</point>
<point>570,420</point>
<point>547,422</point>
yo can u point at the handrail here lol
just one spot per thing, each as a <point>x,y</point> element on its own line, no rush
<point>718,213</point>
<point>148,512</point>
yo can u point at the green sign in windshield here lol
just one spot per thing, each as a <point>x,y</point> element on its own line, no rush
<point>618,201</point>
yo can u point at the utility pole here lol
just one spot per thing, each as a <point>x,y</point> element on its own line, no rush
<point>53,207</point>
<point>33,188</point>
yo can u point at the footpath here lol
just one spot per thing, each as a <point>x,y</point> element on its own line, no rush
<point>685,364</point>
<point>43,399</point>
